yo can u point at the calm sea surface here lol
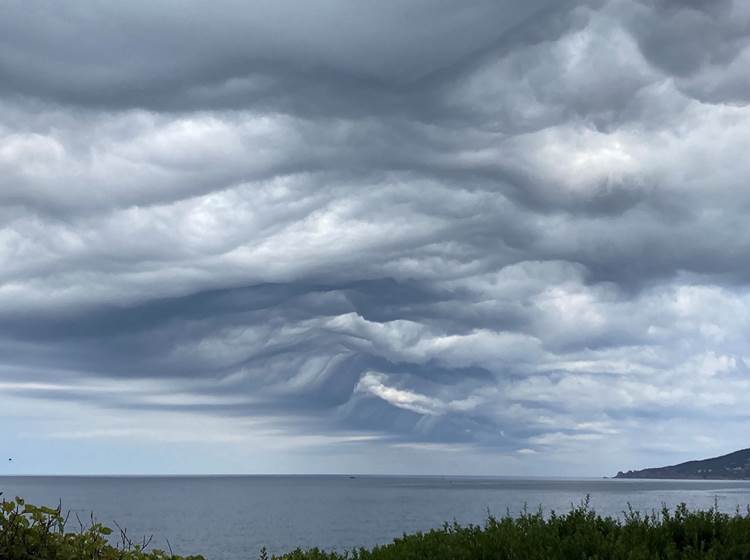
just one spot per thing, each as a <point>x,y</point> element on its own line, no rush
<point>230,518</point>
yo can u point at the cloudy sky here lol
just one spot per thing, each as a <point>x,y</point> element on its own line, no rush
<point>491,237</point>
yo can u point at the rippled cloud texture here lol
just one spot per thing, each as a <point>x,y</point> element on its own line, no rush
<point>428,237</point>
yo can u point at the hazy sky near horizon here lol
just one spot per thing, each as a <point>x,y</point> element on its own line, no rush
<point>491,237</point>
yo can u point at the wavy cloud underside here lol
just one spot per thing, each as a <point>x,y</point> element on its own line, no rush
<point>499,237</point>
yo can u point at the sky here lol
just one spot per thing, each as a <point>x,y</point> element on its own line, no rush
<point>425,237</point>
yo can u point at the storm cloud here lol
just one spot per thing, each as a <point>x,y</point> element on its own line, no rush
<point>491,237</point>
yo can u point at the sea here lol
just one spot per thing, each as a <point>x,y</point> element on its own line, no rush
<point>232,517</point>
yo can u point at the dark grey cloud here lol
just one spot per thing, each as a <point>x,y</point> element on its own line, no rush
<point>180,55</point>
<point>702,44</point>
<point>347,234</point>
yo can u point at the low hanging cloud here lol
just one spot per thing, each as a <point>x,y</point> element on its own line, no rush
<point>516,232</point>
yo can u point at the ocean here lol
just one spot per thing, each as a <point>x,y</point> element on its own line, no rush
<point>232,517</point>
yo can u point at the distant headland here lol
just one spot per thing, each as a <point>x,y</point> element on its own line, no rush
<point>733,466</point>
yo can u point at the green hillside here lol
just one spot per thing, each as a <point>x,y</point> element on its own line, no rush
<point>733,466</point>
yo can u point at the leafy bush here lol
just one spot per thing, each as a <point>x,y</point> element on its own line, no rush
<point>29,532</point>
<point>577,535</point>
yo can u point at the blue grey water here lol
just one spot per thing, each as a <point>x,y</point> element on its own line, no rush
<point>230,518</point>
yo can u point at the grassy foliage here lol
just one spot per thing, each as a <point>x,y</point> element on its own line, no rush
<point>29,532</point>
<point>577,535</point>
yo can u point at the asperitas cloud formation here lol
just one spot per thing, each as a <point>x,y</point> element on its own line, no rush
<point>425,237</point>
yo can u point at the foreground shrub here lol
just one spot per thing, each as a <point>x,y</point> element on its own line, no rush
<point>577,535</point>
<point>29,532</point>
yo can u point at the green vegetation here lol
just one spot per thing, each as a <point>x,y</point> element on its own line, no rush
<point>28,532</point>
<point>39,533</point>
<point>577,535</point>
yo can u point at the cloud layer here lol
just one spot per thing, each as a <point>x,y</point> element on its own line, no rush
<point>424,238</point>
